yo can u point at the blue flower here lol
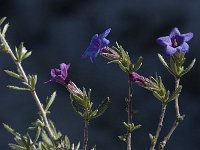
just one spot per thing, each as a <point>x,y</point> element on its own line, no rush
<point>98,42</point>
<point>175,42</point>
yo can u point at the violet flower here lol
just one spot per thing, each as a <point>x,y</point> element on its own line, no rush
<point>144,82</point>
<point>175,42</point>
<point>136,78</point>
<point>98,42</point>
<point>60,75</point>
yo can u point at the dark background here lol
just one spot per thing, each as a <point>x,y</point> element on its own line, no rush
<point>59,31</point>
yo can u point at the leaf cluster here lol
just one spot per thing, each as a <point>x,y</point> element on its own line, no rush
<point>83,105</point>
<point>159,91</point>
<point>175,66</point>
<point>41,141</point>
<point>122,58</point>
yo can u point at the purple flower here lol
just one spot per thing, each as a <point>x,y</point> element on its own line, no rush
<point>60,75</point>
<point>175,42</point>
<point>136,78</point>
<point>97,43</point>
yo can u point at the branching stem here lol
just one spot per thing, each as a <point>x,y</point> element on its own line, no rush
<point>34,94</point>
<point>178,119</point>
<point>160,125</point>
<point>130,113</point>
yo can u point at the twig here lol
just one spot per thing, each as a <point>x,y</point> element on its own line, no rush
<point>130,113</point>
<point>85,136</point>
<point>33,145</point>
<point>178,119</point>
<point>34,94</point>
<point>160,125</point>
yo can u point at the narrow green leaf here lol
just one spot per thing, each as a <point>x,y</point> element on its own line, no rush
<point>46,139</point>
<point>2,20</point>
<point>50,101</point>
<point>38,133</point>
<point>67,143</point>
<point>10,130</point>
<point>94,148</point>
<point>188,68</point>
<point>125,125</point>
<point>157,96</point>
<point>18,88</point>
<point>27,84</point>
<point>164,63</point>
<point>52,126</point>
<point>26,55</point>
<point>19,141</point>
<point>42,146</point>
<point>138,64</point>
<point>75,107</point>
<point>77,146</point>
<point>123,137</point>
<point>102,107</point>
<point>12,74</point>
<point>5,28</point>
<point>17,147</point>
<point>151,137</point>
<point>19,51</point>
<point>16,53</point>
<point>175,93</point>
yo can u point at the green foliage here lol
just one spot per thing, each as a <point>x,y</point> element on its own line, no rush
<point>41,141</point>
<point>12,74</point>
<point>152,138</point>
<point>5,27</point>
<point>21,52</point>
<point>2,20</point>
<point>130,127</point>
<point>156,86</point>
<point>121,57</point>
<point>83,105</point>
<point>50,101</point>
<point>175,67</point>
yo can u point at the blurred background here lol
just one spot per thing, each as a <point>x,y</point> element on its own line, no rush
<point>58,31</point>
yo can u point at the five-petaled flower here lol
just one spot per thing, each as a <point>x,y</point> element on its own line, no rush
<point>175,42</point>
<point>98,42</point>
<point>60,75</point>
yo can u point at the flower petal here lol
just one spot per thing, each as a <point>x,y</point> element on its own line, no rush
<point>53,73</point>
<point>105,33</point>
<point>93,56</point>
<point>170,50</point>
<point>104,43</point>
<point>174,32</point>
<point>64,68</point>
<point>86,53</point>
<point>183,48</point>
<point>164,41</point>
<point>93,39</point>
<point>187,36</point>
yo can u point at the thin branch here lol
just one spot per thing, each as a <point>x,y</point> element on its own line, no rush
<point>178,119</point>
<point>85,136</point>
<point>130,113</point>
<point>176,100</point>
<point>33,145</point>
<point>34,94</point>
<point>160,125</point>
